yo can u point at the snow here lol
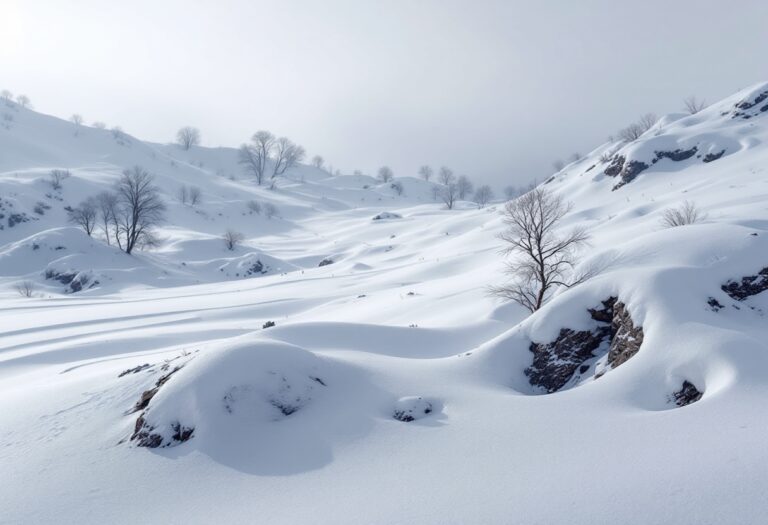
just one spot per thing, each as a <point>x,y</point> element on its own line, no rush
<point>294,423</point>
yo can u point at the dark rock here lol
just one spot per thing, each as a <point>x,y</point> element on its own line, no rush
<point>676,155</point>
<point>748,286</point>
<point>627,337</point>
<point>134,370</point>
<point>711,157</point>
<point>556,363</point>
<point>631,170</point>
<point>268,324</point>
<point>181,433</point>
<point>325,262</point>
<point>687,394</point>
<point>714,304</point>
<point>615,167</point>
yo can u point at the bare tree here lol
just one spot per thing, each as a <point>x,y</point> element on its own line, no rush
<point>56,177</point>
<point>195,195</point>
<point>543,260</point>
<point>425,172</point>
<point>7,97</point>
<point>694,105</point>
<point>85,215</point>
<point>510,192</point>
<point>187,137</point>
<point>254,156</point>
<point>449,193</point>
<point>686,214</point>
<point>317,162</point>
<point>463,187</point>
<point>270,210</point>
<point>636,129</point>
<point>575,156</point>
<point>445,176</point>
<point>483,195</point>
<point>286,156</point>
<point>106,202</point>
<point>232,239</point>
<point>77,120</point>
<point>398,187</point>
<point>25,288</point>
<point>253,207</point>
<point>23,101</point>
<point>385,174</point>
<point>117,133</point>
<point>183,194</point>
<point>139,209</point>
<point>558,165</point>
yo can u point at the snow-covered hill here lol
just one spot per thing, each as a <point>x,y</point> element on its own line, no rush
<point>386,386</point>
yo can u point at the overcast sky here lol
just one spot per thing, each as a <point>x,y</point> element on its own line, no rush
<point>495,89</point>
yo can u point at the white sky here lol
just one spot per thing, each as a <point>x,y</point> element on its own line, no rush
<point>494,89</point>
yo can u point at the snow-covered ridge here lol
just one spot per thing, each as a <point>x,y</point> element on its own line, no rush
<point>387,374</point>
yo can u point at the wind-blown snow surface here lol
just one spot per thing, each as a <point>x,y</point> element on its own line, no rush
<point>391,388</point>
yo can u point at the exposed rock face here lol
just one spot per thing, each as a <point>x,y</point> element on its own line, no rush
<point>710,157</point>
<point>626,337</point>
<point>143,433</point>
<point>747,109</point>
<point>748,286</point>
<point>687,394</point>
<point>556,363</point>
<point>410,409</point>
<point>325,262</point>
<point>627,171</point>
<point>676,155</point>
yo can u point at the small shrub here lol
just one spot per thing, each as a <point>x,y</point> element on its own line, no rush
<point>253,207</point>
<point>25,289</point>
<point>686,214</point>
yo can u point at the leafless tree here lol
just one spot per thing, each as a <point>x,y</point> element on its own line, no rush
<point>25,289</point>
<point>510,192</point>
<point>686,214</point>
<point>232,239</point>
<point>483,195</point>
<point>694,105</point>
<point>106,203</point>
<point>7,97</point>
<point>398,187</point>
<point>270,210</point>
<point>558,165</point>
<point>254,207</point>
<point>542,259</point>
<point>99,125</point>
<point>636,129</point>
<point>445,176</point>
<point>187,137</point>
<point>464,187</point>
<point>425,172</point>
<point>117,133</point>
<point>139,209</point>
<point>286,156</point>
<point>385,174</point>
<point>254,156</point>
<point>56,177</point>
<point>23,101</point>
<point>85,215</point>
<point>449,193</point>
<point>317,161</point>
<point>195,195</point>
<point>183,194</point>
<point>77,120</point>
<point>575,156</point>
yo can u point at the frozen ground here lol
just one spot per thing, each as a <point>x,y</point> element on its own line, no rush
<point>391,389</point>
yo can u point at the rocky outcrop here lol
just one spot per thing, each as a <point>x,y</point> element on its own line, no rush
<point>627,171</point>
<point>746,109</point>
<point>677,155</point>
<point>748,286</point>
<point>711,157</point>
<point>687,394</point>
<point>571,355</point>
<point>143,433</point>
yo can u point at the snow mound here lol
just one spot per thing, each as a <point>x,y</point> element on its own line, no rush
<point>231,388</point>
<point>411,408</point>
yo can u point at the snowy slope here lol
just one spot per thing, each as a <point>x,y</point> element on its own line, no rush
<point>391,389</point>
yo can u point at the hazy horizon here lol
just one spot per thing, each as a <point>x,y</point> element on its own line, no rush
<point>496,90</point>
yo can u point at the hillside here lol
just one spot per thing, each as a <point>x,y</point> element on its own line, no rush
<point>391,388</point>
